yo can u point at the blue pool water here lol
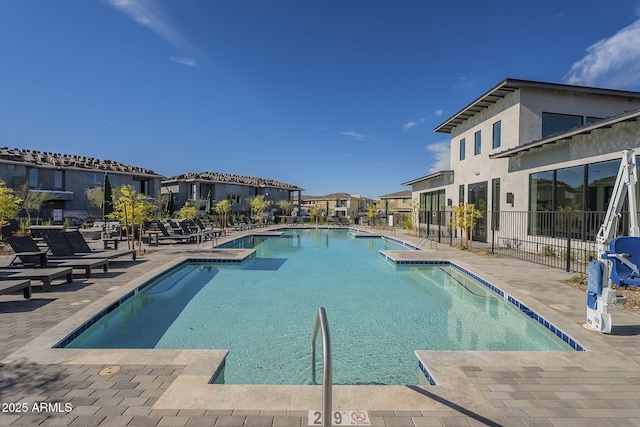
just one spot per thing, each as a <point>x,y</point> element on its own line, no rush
<point>263,311</point>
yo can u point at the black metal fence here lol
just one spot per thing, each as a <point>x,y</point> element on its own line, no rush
<point>562,239</point>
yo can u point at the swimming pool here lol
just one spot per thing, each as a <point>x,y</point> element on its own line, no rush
<point>263,312</point>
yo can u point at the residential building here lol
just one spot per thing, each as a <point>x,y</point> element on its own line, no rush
<point>532,146</point>
<point>338,205</point>
<point>398,204</point>
<point>196,187</point>
<point>65,179</point>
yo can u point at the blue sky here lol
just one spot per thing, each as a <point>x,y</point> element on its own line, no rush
<point>332,96</point>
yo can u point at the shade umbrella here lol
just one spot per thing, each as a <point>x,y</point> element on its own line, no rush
<point>209,205</point>
<point>171,205</point>
<point>107,199</point>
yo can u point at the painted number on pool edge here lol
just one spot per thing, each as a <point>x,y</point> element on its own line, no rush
<point>341,418</point>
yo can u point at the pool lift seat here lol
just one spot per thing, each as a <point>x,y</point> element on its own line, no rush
<point>624,254</point>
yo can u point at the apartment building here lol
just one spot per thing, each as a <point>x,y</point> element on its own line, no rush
<point>239,189</point>
<point>65,179</point>
<point>532,146</point>
<point>338,205</point>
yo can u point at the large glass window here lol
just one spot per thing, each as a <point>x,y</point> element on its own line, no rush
<point>33,178</point>
<point>462,148</point>
<point>497,134</point>
<point>558,199</point>
<point>553,123</point>
<point>141,186</point>
<point>495,203</point>
<point>432,201</point>
<point>477,143</point>
<point>601,178</point>
<point>93,178</point>
<point>57,180</point>
<point>570,189</point>
<point>541,191</point>
<point>461,193</point>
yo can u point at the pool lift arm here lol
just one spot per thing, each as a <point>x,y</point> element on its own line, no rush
<point>598,319</point>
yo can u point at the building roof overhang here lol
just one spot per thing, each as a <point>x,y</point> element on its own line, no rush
<point>428,177</point>
<point>570,134</point>
<point>508,86</point>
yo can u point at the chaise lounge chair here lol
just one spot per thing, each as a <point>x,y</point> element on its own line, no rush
<point>25,248</point>
<point>9,286</point>
<point>61,247</point>
<point>80,247</point>
<point>166,235</point>
<point>45,275</point>
<point>624,253</point>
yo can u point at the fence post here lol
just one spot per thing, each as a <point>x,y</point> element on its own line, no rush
<point>493,231</point>
<point>568,267</point>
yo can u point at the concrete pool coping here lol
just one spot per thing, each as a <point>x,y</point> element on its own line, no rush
<point>191,390</point>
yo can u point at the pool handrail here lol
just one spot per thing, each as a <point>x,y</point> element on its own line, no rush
<point>323,324</point>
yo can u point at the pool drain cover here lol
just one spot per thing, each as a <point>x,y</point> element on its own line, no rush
<point>109,370</point>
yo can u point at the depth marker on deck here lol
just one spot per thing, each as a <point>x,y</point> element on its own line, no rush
<point>341,418</point>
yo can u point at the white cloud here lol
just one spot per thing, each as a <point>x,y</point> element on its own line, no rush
<point>184,61</point>
<point>439,156</point>
<point>612,62</point>
<point>413,123</point>
<point>146,13</point>
<point>410,125</point>
<point>355,135</point>
<point>438,112</point>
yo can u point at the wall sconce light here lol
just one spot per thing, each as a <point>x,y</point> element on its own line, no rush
<point>510,198</point>
<point>476,173</point>
<point>449,202</point>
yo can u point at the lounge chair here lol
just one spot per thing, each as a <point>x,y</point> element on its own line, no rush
<point>45,275</point>
<point>61,248</point>
<point>205,233</point>
<point>166,235</point>
<point>624,253</point>
<point>80,247</point>
<point>25,248</point>
<point>9,286</point>
<point>27,251</point>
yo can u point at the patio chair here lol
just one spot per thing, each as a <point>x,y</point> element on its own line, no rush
<point>80,247</point>
<point>12,285</point>
<point>166,235</point>
<point>27,251</point>
<point>61,248</point>
<point>624,253</point>
<point>26,248</point>
<point>45,275</point>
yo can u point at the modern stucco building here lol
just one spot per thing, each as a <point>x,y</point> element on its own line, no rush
<point>65,178</point>
<point>195,187</point>
<point>532,146</point>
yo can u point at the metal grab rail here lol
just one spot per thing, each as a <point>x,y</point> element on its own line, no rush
<point>327,372</point>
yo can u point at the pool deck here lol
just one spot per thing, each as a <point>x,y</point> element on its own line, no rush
<point>597,387</point>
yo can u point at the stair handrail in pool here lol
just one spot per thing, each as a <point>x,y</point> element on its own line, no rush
<point>323,324</point>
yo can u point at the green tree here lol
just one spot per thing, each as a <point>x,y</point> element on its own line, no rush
<point>131,208</point>
<point>464,218</point>
<point>416,209</point>
<point>9,204</point>
<point>33,201</point>
<point>286,206</point>
<point>188,211</point>
<point>371,213</point>
<point>316,211</point>
<point>259,205</point>
<point>223,208</point>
